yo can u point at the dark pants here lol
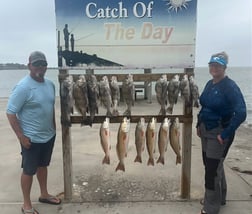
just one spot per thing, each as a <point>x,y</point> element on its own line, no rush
<point>214,154</point>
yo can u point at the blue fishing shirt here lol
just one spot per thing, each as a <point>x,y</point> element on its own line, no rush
<point>222,104</point>
<point>33,103</point>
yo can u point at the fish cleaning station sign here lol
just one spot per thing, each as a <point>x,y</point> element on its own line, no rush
<point>149,34</point>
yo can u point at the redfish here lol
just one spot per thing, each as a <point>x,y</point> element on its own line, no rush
<point>105,140</point>
<point>122,143</point>
<point>140,139</point>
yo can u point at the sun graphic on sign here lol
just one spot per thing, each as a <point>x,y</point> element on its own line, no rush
<point>175,5</point>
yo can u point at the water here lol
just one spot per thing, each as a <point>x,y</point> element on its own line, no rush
<point>241,75</point>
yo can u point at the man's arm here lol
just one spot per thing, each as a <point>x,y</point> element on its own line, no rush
<point>25,141</point>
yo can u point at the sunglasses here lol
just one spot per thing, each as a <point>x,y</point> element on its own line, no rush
<point>39,64</point>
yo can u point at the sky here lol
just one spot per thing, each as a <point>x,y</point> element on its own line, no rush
<point>29,25</point>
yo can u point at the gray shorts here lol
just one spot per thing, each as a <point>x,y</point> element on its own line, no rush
<point>38,155</point>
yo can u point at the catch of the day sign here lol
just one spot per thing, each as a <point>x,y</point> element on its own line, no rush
<point>116,31</point>
<point>148,34</point>
<point>139,10</point>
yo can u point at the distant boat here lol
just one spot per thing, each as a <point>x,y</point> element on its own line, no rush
<point>75,58</point>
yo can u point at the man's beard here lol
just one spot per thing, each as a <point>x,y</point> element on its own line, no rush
<point>40,75</point>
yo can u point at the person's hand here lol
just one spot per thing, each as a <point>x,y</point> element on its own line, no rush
<point>25,141</point>
<point>221,141</point>
<point>198,132</point>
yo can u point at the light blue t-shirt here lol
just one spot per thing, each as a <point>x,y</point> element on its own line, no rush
<point>33,103</point>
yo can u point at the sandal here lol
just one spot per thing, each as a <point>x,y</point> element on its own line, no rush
<point>202,201</point>
<point>50,200</point>
<point>30,211</point>
<point>202,212</point>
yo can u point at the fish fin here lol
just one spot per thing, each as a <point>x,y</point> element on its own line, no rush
<point>178,159</point>
<point>138,159</point>
<point>142,133</point>
<point>177,133</point>
<point>153,134</point>
<point>106,160</point>
<point>160,160</point>
<point>150,162</point>
<point>120,166</point>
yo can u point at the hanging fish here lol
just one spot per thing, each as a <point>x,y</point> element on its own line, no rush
<point>163,138</point>
<point>184,88</point>
<point>105,95</point>
<point>105,140</point>
<point>173,92</point>
<point>174,134</point>
<point>140,139</point>
<point>161,93</point>
<point>93,95</point>
<point>151,140</point>
<point>115,94</point>
<point>194,92</point>
<point>80,96</point>
<point>67,101</point>
<point>128,92</point>
<point>122,143</point>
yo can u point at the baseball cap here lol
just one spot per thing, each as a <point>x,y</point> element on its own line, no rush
<point>37,56</point>
<point>220,58</point>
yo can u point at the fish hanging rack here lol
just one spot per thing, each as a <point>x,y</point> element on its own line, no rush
<point>186,119</point>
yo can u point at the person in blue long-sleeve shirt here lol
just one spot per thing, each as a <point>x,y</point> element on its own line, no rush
<point>223,109</point>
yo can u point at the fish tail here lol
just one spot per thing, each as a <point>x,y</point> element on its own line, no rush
<point>196,104</point>
<point>138,159</point>
<point>169,109</point>
<point>160,160</point>
<point>150,161</point>
<point>120,166</point>
<point>115,112</point>
<point>178,159</point>
<point>106,160</point>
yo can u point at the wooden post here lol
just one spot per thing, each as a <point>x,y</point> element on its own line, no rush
<point>67,154</point>
<point>186,149</point>
<point>67,162</point>
<point>148,87</point>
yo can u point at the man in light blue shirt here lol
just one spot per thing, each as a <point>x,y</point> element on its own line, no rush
<point>30,111</point>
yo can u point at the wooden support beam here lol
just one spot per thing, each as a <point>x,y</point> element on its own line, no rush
<point>67,162</point>
<point>67,153</point>
<point>186,148</point>
<point>133,118</point>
